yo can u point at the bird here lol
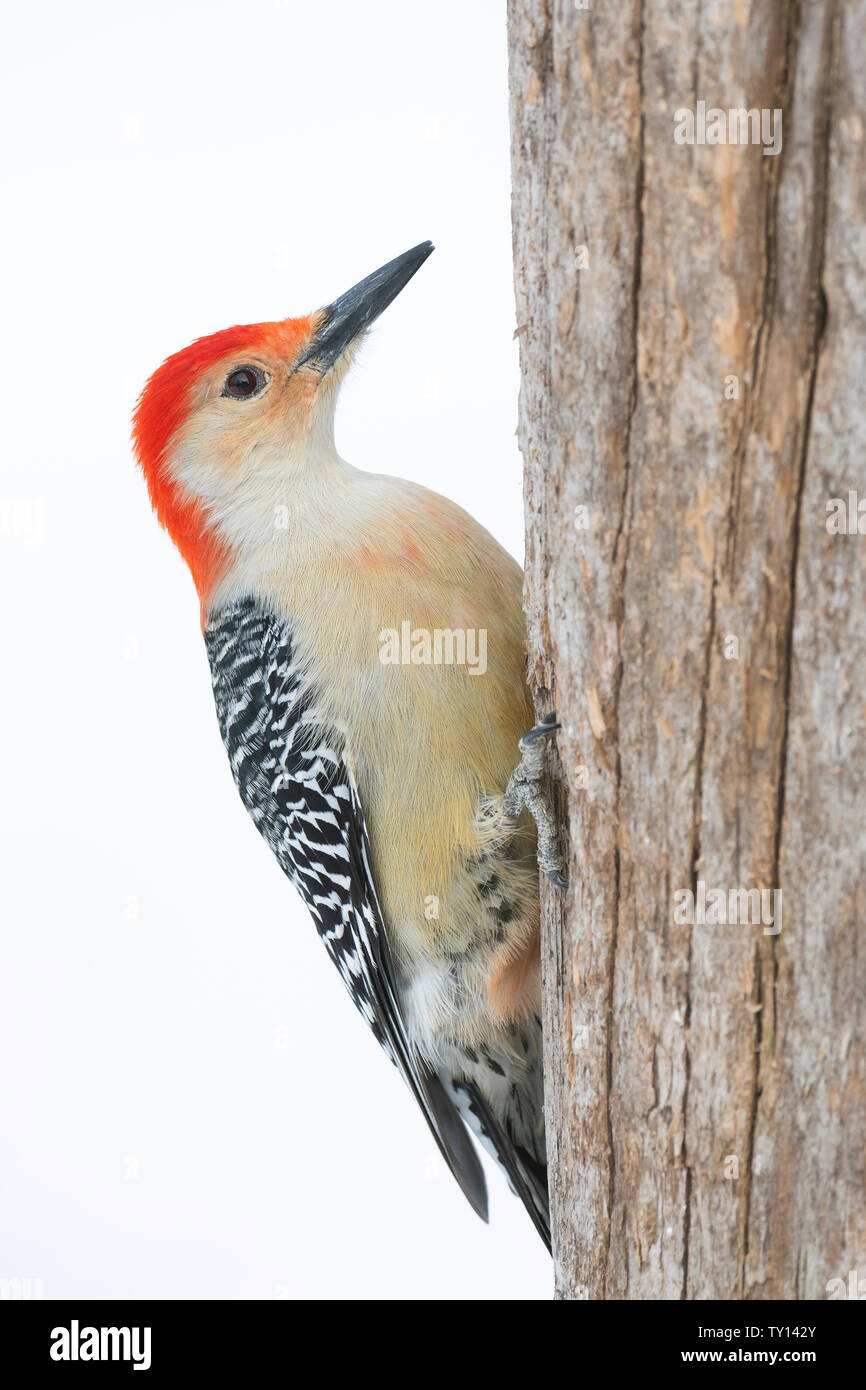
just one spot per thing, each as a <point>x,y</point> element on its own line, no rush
<point>366,644</point>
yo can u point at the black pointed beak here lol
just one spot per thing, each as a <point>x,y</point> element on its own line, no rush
<point>359,307</point>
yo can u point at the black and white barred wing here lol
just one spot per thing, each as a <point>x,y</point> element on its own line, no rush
<point>524,1165</point>
<point>293,779</point>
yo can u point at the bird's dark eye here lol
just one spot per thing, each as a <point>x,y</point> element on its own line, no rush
<point>244,382</point>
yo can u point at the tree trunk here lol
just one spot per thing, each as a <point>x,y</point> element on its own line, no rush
<point>691,323</point>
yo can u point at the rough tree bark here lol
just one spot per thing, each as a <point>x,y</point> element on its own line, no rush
<point>701,632</point>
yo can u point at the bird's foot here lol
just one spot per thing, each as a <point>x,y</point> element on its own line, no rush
<point>526,787</point>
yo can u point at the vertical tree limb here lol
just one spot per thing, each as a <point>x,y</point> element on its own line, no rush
<point>700,631</point>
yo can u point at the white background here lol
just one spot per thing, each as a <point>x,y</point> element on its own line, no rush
<point>189,1104</point>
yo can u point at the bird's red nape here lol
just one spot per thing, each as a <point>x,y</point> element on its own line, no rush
<point>160,414</point>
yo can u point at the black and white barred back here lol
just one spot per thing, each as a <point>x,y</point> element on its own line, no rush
<point>293,779</point>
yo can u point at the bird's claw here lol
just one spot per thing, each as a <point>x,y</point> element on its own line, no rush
<point>526,788</point>
<point>543,729</point>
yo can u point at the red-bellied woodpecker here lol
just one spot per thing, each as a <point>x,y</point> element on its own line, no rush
<point>366,645</point>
